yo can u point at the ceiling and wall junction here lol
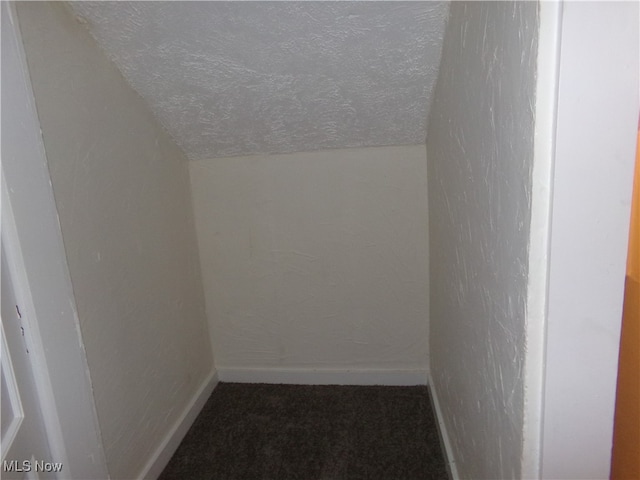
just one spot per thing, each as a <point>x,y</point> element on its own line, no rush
<point>242,78</point>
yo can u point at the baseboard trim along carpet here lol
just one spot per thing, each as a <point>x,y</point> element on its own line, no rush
<point>160,458</point>
<point>321,376</point>
<point>445,440</point>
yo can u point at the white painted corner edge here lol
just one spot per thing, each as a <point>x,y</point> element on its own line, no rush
<point>324,376</point>
<point>444,435</point>
<point>547,84</point>
<point>161,456</point>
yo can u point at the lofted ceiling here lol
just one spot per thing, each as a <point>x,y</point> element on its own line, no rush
<point>242,78</point>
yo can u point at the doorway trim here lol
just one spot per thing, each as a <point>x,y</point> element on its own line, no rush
<point>36,257</point>
<point>547,84</point>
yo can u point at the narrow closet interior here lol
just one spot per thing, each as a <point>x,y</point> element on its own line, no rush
<point>313,193</point>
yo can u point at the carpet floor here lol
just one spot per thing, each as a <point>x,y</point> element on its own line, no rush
<point>309,432</point>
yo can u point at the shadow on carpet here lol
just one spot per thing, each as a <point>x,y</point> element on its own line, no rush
<point>308,432</point>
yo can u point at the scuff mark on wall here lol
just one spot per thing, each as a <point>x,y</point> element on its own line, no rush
<point>480,153</point>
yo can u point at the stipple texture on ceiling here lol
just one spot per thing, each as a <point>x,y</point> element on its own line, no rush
<point>241,78</point>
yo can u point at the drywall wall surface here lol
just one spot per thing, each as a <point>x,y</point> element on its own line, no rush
<point>315,261</point>
<point>30,229</point>
<point>123,199</point>
<point>592,191</point>
<point>244,78</point>
<point>480,155</point>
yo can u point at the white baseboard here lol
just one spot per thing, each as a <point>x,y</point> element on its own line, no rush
<point>444,435</point>
<point>321,376</point>
<point>160,458</point>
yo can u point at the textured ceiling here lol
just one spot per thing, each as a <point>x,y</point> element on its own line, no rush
<point>240,78</point>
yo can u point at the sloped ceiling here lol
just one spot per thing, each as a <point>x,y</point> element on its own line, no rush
<point>241,78</point>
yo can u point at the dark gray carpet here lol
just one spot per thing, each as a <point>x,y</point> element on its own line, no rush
<point>280,432</point>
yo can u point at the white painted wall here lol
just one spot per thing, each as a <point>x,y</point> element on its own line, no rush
<point>315,264</point>
<point>32,234</point>
<point>122,192</point>
<point>595,149</point>
<point>480,153</point>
